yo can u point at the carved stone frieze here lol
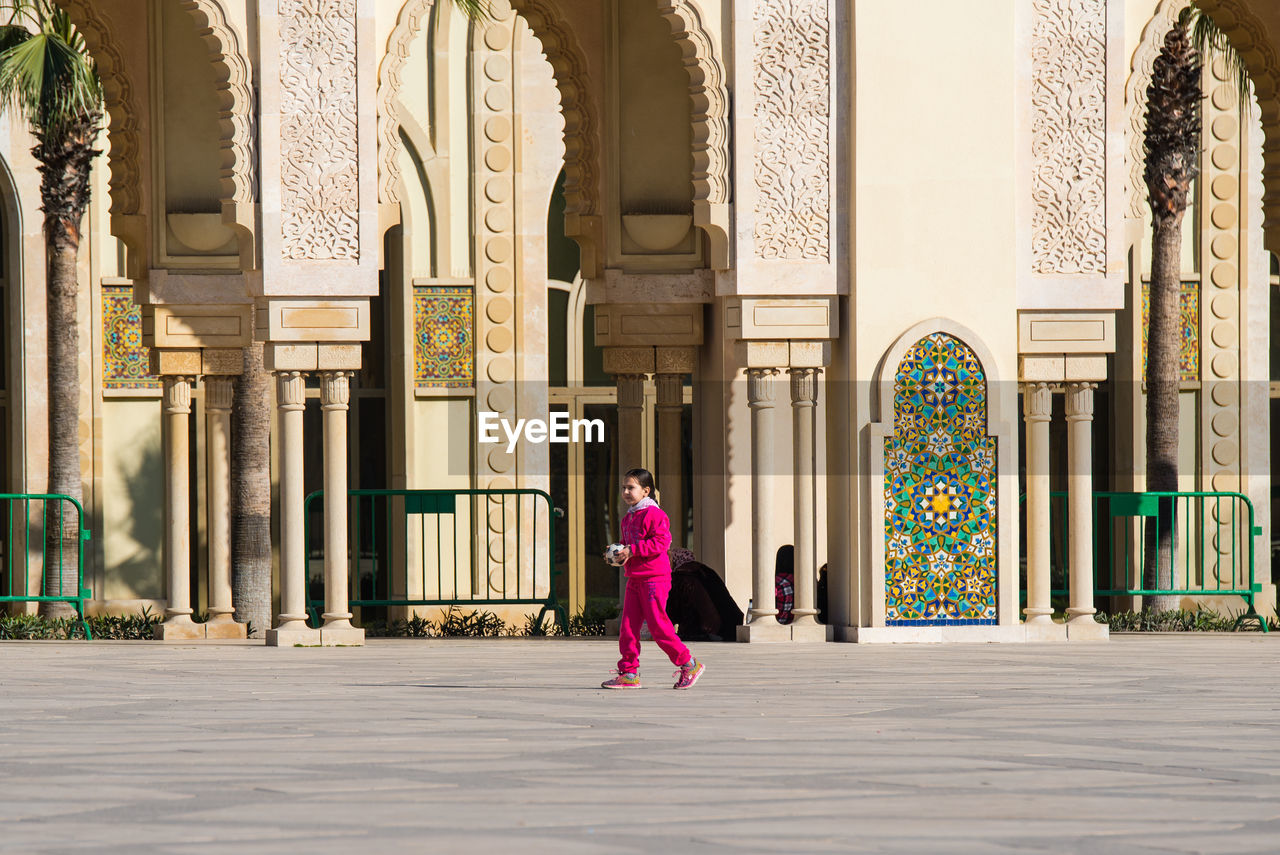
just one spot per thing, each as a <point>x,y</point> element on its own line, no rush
<point>1069,137</point>
<point>319,173</point>
<point>791,78</point>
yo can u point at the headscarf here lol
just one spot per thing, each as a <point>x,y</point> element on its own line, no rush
<point>681,556</point>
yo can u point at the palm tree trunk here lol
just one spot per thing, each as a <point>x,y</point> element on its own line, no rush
<point>1164,340</point>
<point>62,540</point>
<point>64,190</point>
<point>251,494</point>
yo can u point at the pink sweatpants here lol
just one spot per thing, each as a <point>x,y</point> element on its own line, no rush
<point>646,601</point>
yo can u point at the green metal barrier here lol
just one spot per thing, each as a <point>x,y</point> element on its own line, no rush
<point>1212,546</point>
<point>444,548</point>
<point>26,519</point>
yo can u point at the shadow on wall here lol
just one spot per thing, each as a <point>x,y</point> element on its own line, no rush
<point>137,531</point>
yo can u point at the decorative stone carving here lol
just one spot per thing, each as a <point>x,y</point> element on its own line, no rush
<point>177,394</point>
<point>319,173</point>
<point>291,390</point>
<point>760,387</point>
<point>710,117</point>
<point>408,25</point>
<point>1069,137</point>
<point>335,390</point>
<point>123,129</point>
<point>219,392</point>
<point>792,137</point>
<point>569,63</point>
<point>236,120</point>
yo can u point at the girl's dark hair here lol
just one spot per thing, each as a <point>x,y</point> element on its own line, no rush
<point>643,477</point>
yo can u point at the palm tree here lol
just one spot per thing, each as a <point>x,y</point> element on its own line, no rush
<point>47,75</point>
<point>251,471</point>
<point>1173,149</point>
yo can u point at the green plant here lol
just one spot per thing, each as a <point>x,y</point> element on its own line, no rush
<point>1181,620</point>
<point>591,619</point>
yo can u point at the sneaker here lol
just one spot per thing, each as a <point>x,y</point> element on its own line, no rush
<point>688,674</point>
<point>622,681</point>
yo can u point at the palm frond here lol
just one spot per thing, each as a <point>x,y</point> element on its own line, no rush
<point>1212,44</point>
<point>476,10</point>
<point>46,73</point>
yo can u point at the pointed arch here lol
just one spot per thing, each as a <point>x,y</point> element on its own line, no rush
<point>569,64</point>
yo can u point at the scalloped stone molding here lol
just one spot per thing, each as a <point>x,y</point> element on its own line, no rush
<point>408,25</point>
<point>123,124</point>
<point>236,116</point>
<point>710,115</point>
<point>1249,37</point>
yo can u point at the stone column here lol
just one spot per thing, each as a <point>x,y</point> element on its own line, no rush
<point>1037,409</point>
<point>670,408</point>
<point>177,519</point>
<point>335,399</point>
<point>804,400</point>
<point>291,628</point>
<point>763,624</point>
<point>630,441</point>
<point>218,394</point>
<point>1080,622</point>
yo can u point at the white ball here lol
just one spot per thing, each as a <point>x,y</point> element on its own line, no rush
<point>615,554</point>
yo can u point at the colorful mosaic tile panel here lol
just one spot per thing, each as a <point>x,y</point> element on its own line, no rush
<point>444,329</point>
<point>125,362</point>
<point>940,491</point>
<point>1189,317</point>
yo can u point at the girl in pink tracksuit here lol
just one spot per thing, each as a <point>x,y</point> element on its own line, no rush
<point>646,532</point>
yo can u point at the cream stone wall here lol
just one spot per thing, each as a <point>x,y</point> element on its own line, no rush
<point>927,228</point>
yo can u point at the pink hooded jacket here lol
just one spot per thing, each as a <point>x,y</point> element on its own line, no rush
<point>646,529</point>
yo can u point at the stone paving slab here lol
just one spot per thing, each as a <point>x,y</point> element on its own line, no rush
<point>1142,744</point>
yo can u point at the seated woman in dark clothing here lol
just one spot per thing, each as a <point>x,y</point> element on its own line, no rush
<point>700,603</point>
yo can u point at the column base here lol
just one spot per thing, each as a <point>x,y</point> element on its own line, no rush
<point>225,627</point>
<point>293,637</point>
<point>179,628</point>
<point>1045,630</point>
<point>341,636</point>
<point>1085,628</point>
<point>764,632</point>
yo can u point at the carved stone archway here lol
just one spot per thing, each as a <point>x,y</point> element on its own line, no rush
<point>123,127</point>
<point>238,173</point>
<point>1248,36</point>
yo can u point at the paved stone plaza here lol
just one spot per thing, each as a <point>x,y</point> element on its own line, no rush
<point>1142,744</point>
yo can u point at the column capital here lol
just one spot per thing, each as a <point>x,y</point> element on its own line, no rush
<point>804,386</point>
<point>177,393</point>
<point>670,391</point>
<point>219,393</point>
<point>291,390</point>
<point>1037,401</point>
<point>335,390</point>
<point>760,386</point>
<point>630,391</point>
<point>1080,401</point>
